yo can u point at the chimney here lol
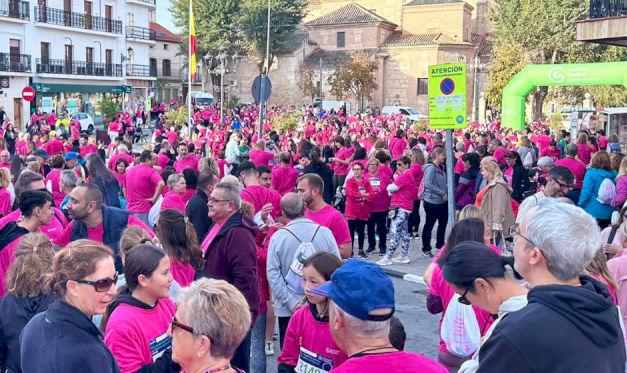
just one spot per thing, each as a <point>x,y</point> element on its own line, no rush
<point>482,17</point>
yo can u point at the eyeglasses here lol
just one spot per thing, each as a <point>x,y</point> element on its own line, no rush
<point>103,285</point>
<point>567,187</point>
<point>355,169</point>
<point>463,300</point>
<point>513,231</point>
<point>180,326</point>
<point>213,200</point>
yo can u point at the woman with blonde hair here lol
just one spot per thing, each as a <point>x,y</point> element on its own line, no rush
<point>26,296</point>
<point>5,194</point>
<point>598,270</point>
<point>585,150</point>
<point>613,144</point>
<point>495,202</point>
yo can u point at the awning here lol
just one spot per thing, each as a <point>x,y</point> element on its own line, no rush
<point>73,88</point>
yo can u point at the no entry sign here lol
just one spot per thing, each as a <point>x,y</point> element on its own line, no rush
<point>28,94</point>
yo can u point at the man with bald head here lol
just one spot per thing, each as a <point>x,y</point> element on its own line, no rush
<point>287,285</point>
<point>5,160</point>
<point>260,157</point>
<point>95,221</point>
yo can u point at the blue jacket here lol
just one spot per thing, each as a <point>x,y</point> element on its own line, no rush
<point>589,192</point>
<point>63,339</point>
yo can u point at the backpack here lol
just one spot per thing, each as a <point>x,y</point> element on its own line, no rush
<point>460,329</point>
<point>294,278</point>
<point>528,161</point>
<point>607,191</point>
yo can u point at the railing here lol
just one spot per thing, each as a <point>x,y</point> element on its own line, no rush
<point>607,8</point>
<point>18,63</point>
<point>171,73</point>
<point>141,70</point>
<point>77,20</point>
<point>50,66</point>
<point>185,76</point>
<point>151,2</point>
<point>15,9</point>
<point>134,32</point>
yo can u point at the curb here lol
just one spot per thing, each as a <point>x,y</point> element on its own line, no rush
<point>405,276</point>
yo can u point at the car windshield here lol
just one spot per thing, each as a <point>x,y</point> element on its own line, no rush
<point>413,111</point>
<point>204,101</point>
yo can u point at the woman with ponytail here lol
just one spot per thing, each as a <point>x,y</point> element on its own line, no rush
<point>477,274</point>
<point>178,238</point>
<point>139,317</point>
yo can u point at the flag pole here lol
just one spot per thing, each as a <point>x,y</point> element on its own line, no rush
<point>190,120</point>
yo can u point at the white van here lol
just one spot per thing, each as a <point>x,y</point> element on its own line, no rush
<point>328,105</point>
<point>407,112</point>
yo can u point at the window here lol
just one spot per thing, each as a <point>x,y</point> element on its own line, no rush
<point>14,46</point>
<point>166,46</point>
<point>45,51</point>
<point>166,68</point>
<point>423,86</point>
<point>341,39</point>
<point>318,85</point>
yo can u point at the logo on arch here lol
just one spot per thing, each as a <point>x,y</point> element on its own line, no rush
<point>556,74</point>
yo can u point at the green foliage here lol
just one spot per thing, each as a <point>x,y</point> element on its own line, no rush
<point>420,125</point>
<point>287,121</point>
<point>108,109</point>
<point>508,62</point>
<point>557,122</point>
<point>354,79</point>
<point>177,118</point>
<point>234,101</point>
<point>306,85</point>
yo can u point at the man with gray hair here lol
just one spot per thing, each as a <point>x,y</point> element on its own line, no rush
<point>67,182</point>
<point>360,309</point>
<point>122,153</point>
<point>284,246</point>
<point>230,252</point>
<point>570,323</point>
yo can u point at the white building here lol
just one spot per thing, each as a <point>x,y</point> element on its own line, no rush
<point>74,52</point>
<point>165,55</point>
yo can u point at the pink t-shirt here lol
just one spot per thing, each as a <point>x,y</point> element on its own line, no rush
<point>5,202</point>
<point>189,162</point>
<point>332,219</point>
<point>340,169</point>
<point>53,177</point>
<point>7,257</point>
<point>221,164</point>
<point>258,196</point>
<point>260,157</point>
<point>85,150</point>
<point>97,233</point>
<point>145,181</point>
<point>585,153</point>
<point>576,167</point>
<point>162,160</point>
<point>210,237</point>
<point>114,159</point>
<point>499,154</point>
<point>395,362</point>
<point>407,191</point>
<point>508,175</point>
<point>52,231</point>
<point>171,136</point>
<point>183,273</point>
<point>387,171</point>
<point>379,183</point>
<point>173,200</point>
<point>554,154</point>
<point>284,179</point>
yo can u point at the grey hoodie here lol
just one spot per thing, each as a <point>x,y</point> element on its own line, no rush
<point>435,184</point>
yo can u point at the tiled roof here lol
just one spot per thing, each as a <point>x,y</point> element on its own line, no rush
<point>348,14</point>
<point>163,34</point>
<point>484,41</point>
<point>431,2</point>
<point>397,39</point>
<point>331,58</point>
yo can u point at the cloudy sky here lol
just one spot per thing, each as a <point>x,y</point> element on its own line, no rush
<point>164,17</point>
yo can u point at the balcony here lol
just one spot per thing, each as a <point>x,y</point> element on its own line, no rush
<point>185,76</point>
<point>140,33</point>
<point>173,73</point>
<point>15,63</point>
<point>19,10</point>
<point>606,25</point>
<point>81,68</point>
<point>149,3</point>
<point>60,17</point>
<point>145,71</point>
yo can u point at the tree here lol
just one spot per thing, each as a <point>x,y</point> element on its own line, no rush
<point>108,109</point>
<point>355,79</point>
<point>509,61</point>
<point>306,85</point>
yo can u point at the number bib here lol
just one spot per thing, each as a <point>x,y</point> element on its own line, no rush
<point>310,362</point>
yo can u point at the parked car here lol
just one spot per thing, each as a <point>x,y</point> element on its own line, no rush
<point>328,105</point>
<point>87,122</point>
<point>407,112</point>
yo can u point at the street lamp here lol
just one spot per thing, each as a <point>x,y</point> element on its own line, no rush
<point>476,65</point>
<point>222,62</point>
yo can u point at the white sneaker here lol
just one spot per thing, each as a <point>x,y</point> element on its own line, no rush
<point>401,259</point>
<point>385,261</point>
<point>269,348</point>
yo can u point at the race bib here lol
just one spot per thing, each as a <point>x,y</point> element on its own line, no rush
<point>375,182</point>
<point>297,264</point>
<point>362,189</point>
<point>310,362</point>
<point>159,344</point>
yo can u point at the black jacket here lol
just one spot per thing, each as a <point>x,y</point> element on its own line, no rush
<point>198,213</point>
<point>63,339</point>
<point>563,329</point>
<point>15,313</point>
<point>322,170</point>
<point>520,181</point>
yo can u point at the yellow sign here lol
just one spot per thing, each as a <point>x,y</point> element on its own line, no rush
<point>447,96</point>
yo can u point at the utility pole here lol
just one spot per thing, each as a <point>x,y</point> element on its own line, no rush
<point>262,110</point>
<point>320,82</point>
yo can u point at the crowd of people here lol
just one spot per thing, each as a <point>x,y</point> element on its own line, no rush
<point>189,254</point>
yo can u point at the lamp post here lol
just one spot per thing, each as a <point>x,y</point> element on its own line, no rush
<point>222,62</point>
<point>476,66</point>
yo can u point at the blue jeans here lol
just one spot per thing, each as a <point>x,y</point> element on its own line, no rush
<point>258,345</point>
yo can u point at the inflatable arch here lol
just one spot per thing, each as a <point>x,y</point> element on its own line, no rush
<point>532,76</point>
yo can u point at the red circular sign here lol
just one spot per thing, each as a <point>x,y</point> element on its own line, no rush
<point>28,94</point>
<point>447,86</point>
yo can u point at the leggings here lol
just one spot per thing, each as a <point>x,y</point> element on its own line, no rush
<point>358,226</point>
<point>414,218</point>
<point>378,219</point>
<point>284,321</point>
<point>399,234</point>
<point>434,212</point>
<point>338,181</point>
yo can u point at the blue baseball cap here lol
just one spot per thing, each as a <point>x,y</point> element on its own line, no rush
<point>71,155</point>
<point>359,287</point>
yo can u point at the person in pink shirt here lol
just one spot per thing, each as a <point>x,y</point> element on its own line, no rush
<point>224,167</point>
<point>5,195</point>
<point>544,140</point>
<point>75,130</point>
<point>175,198</point>
<point>122,149</point>
<point>35,207</point>
<point>172,135</point>
<point>185,160</point>
<point>379,206</point>
<point>53,146</point>
<point>340,161</point>
<point>498,151</point>
<point>5,159</point>
<point>146,187</point>
<point>260,157</point>
<point>86,147</point>
<point>585,150</point>
<point>576,167</point>
<point>310,188</point>
<point>284,176</point>
<point>163,158</point>
<point>309,326</point>
<point>359,195</point>
<point>120,172</point>
<point>52,179</point>
<point>551,151</point>
<point>362,295</point>
<point>137,321</point>
<point>255,193</point>
<point>398,145</point>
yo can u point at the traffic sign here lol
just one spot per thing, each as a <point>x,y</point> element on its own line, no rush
<point>4,82</point>
<point>28,94</point>
<point>256,89</point>
<point>447,96</point>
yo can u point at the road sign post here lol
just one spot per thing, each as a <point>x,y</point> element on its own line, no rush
<point>261,91</point>
<point>447,110</point>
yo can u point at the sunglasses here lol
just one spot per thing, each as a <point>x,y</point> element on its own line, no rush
<point>463,300</point>
<point>176,324</point>
<point>103,285</point>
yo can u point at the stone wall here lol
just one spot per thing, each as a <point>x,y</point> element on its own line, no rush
<point>356,36</point>
<point>453,20</point>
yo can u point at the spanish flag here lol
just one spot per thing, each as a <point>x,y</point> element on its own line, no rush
<point>192,45</point>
